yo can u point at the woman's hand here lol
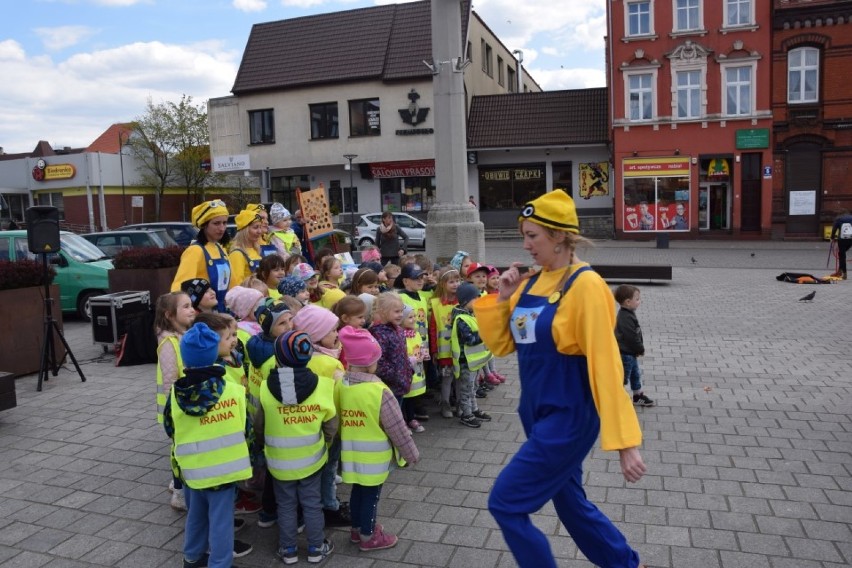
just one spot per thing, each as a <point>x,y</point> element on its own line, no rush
<point>509,281</point>
<point>632,465</point>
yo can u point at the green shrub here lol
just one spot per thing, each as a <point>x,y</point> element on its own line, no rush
<point>148,257</point>
<point>23,274</point>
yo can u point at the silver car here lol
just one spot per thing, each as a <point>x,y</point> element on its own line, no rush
<point>365,230</point>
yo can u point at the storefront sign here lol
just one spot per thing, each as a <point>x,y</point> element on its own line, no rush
<point>718,169</point>
<point>528,174</point>
<point>496,175</point>
<point>235,163</point>
<point>752,138</point>
<point>644,167</point>
<point>802,202</point>
<point>59,171</point>
<point>414,168</point>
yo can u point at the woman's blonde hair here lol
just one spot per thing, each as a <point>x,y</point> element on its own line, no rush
<point>240,240</point>
<point>443,277</point>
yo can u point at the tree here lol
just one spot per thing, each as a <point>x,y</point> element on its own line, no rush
<point>170,141</point>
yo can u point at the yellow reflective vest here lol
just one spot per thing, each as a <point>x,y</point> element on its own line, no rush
<point>161,388</point>
<point>475,355</point>
<point>418,381</point>
<point>294,444</point>
<point>366,450</point>
<point>421,311</point>
<point>256,378</point>
<point>324,365</point>
<point>290,240</point>
<point>443,315</point>
<point>211,450</point>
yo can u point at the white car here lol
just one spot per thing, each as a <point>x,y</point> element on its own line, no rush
<point>365,230</point>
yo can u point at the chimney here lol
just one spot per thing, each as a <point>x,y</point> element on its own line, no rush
<point>520,71</point>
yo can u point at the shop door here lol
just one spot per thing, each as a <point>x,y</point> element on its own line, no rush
<point>804,174</point>
<point>750,189</point>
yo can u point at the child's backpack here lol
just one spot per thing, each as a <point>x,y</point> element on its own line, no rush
<point>846,231</point>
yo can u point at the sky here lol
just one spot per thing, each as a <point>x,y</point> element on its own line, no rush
<point>71,68</point>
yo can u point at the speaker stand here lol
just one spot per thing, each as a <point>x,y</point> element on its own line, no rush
<point>48,350</point>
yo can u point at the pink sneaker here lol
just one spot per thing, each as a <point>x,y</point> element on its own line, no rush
<point>492,379</point>
<point>379,541</point>
<point>500,377</point>
<point>355,534</point>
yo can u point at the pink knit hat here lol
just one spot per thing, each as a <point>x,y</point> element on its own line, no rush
<point>316,321</point>
<point>361,348</point>
<point>242,301</point>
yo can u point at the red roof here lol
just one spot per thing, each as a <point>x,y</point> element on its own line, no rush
<point>110,141</point>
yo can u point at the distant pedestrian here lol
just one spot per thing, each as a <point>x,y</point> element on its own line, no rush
<point>630,343</point>
<point>471,200</point>
<point>841,233</point>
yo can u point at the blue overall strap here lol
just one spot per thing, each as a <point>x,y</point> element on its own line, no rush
<point>533,279</point>
<point>207,257</point>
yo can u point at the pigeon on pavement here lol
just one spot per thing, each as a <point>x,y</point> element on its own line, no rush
<point>809,297</point>
<point>693,260</point>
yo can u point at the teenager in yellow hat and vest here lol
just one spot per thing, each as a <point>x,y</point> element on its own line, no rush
<point>207,418</point>
<point>560,321</point>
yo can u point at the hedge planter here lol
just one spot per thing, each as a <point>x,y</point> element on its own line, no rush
<point>23,310</point>
<point>157,281</point>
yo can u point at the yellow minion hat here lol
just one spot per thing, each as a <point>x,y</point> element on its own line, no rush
<point>255,207</point>
<point>203,212</point>
<point>245,218</point>
<point>555,210</point>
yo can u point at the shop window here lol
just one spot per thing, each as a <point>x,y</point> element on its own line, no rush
<point>365,118</point>
<point>563,177</point>
<point>407,194</point>
<point>261,126</point>
<point>802,75</point>
<point>324,123</point>
<point>656,203</point>
<point>509,187</point>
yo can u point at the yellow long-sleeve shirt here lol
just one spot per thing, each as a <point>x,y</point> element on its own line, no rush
<point>240,269</point>
<point>583,325</point>
<point>194,265</point>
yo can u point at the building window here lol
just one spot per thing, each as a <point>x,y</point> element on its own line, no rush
<point>738,91</point>
<point>407,194</point>
<point>656,203</point>
<point>324,121</point>
<point>687,15</point>
<point>640,102</point>
<point>639,18</point>
<point>365,118</point>
<point>482,53</point>
<point>738,13</point>
<point>688,94</point>
<point>262,126</point>
<point>802,75</point>
<point>488,66</point>
<point>510,77</point>
<point>509,187</point>
<point>501,76</point>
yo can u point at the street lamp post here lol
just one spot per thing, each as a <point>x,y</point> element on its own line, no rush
<point>351,157</point>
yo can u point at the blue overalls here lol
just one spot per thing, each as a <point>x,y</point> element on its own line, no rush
<point>561,423</point>
<point>267,249</point>
<point>218,274</point>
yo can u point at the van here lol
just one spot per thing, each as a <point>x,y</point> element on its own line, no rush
<point>81,268</point>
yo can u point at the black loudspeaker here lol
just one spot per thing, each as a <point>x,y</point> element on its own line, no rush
<point>43,228</point>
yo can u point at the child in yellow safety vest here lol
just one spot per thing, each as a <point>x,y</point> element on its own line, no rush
<point>207,418</point>
<point>173,318</point>
<point>414,345</point>
<point>295,424</point>
<point>440,330</point>
<point>469,355</point>
<point>373,432</point>
<point>229,356</point>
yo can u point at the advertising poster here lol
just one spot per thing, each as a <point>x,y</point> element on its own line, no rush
<point>594,179</point>
<point>640,217</point>
<point>673,217</point>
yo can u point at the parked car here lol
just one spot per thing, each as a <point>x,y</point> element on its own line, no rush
<point>365,230</point>
<point>113,241</point>
<point>81,268</point>
<point>342,241</point>
<point>183,233</point>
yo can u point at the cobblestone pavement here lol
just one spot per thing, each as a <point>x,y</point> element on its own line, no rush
<point>749,449</point>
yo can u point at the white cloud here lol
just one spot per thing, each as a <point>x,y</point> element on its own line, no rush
<point>249,5</point>
<point>74,100</point>
<point>576,78</point>
<point>58,38</point>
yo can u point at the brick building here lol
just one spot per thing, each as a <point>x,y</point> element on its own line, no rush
<point>690,117</point>
<point>812,114</point>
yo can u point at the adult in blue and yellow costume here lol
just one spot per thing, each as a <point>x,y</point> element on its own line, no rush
<point>560,322</point>
<point>205,257</point>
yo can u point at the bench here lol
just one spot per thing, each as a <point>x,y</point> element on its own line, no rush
<point>634,271</point>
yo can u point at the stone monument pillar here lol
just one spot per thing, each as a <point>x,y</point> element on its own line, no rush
<point>453,223</point>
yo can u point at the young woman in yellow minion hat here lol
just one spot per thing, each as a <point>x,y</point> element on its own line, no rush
<point>205,257</point>
<point>560,322</point>
<point>245,253</point>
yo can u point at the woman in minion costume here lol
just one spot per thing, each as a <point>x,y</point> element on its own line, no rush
<point>571,389</point>
<point>205,257</point>
<point>244,253</point>
<point>266,246</point>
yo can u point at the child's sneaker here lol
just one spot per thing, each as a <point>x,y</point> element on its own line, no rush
<point>288,555</point>
<point>246,507</point>
<point>355,534</point>
<point>482,416</point>
<point>239,524</point>
<point>480,393</point>
<point>416,426</point>
<point>500,377</point>
<point>446,410</point>
<point>241,548</point>
<point>177,501</point>
<point>266,520</point>
<point>318,553</point>
<point>422,415</point>
<point>492,379</point>
<point>642,400</point>
<point>379,541</point>
<point>200,563</point>
<point>470,421</point>
<point>172,486</point>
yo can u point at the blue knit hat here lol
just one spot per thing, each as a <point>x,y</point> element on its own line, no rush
<point>199,346</point>
<point>293,349</point>
<point>467,292</point>
<point>290,286</point>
